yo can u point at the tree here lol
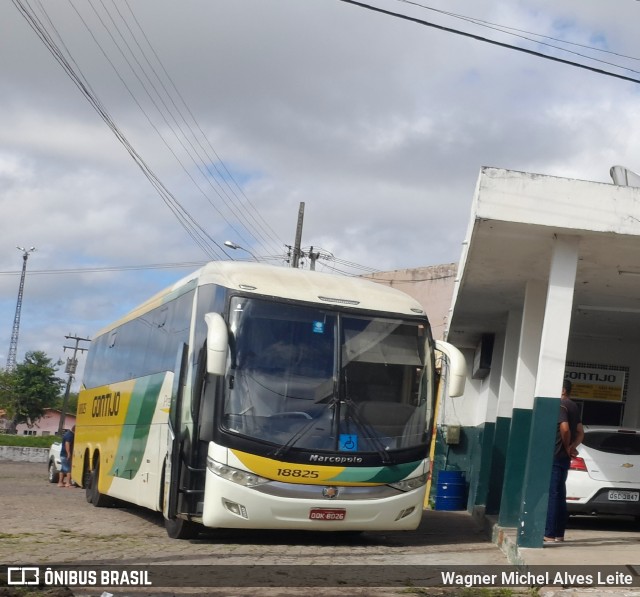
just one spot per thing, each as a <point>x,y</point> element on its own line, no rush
<point>6,388</point>
<point>72,403</point>
<point>30,388</point>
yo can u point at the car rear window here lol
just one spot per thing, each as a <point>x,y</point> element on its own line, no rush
<point>616,442</point>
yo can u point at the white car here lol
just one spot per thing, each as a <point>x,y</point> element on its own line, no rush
<point>54,462</point>
<point>605,476</point>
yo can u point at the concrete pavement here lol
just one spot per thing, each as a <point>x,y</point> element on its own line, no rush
<point>606,549</point>
<point>43,524</point>
<point>590,541</point>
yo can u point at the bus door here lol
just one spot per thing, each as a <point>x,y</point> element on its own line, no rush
<point>175,460</point>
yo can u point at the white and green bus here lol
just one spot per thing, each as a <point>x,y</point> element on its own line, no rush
<point>260,397</point>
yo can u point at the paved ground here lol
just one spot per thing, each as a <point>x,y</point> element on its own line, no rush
<point>593,541</point>
<point>43,524</point>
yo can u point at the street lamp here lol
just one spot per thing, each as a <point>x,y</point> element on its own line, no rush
<point>232,245</point>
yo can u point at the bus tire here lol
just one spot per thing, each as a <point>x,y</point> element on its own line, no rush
<point>94,496</point>
<point>86,478</point>
<point>178,528</point>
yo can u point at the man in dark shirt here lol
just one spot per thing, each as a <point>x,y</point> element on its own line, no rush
<point>569,435</point>
<point>66,453</point>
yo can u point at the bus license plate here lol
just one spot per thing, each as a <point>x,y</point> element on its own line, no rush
<point>327,514</point>
<point>624,496</point>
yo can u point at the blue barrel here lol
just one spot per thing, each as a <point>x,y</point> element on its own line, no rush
<point>451,491</point>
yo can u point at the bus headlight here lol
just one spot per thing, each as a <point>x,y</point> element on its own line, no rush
<point>234,475</point>
<point>410,484</point>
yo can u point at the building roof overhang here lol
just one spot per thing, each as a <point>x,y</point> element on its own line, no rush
<point>515,219</point>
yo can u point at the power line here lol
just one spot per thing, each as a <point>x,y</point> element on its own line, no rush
<point>487,40</point>
<point>408,280</point>
<point>226,176</point>
<point>502,28</point>
<point>167,116</point>
<point>510,31</point>
<point>182,265</point>
<point>164,104</point>
<point>354,265</point>
<point>195,231</point>
<point>110,268</point>
<point>63,56</point>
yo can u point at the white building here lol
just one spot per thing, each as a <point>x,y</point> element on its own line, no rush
<point>548,286</point>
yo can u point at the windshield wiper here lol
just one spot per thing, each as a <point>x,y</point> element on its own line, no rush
<point>332,404</point>
<point>284,448</point>
<point>366,429</point>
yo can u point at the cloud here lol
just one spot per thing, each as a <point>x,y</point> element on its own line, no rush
<point>378,125</point>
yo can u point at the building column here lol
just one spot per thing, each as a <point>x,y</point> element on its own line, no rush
<point>551,368</point>
<point>503,412</point>
<point>524,388</point>
<point>481,478</point>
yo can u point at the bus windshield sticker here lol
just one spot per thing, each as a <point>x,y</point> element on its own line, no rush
<point>348,443</point>
<point>318,327</point>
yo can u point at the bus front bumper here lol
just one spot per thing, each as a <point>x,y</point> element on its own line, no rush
<point>229,505</point>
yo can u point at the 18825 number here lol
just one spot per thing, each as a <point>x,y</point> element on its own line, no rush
<point>295,472</point>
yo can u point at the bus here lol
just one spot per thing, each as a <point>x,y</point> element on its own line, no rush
<point>252,396</point>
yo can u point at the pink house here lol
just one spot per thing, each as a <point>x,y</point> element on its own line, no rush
<point>47,424</point>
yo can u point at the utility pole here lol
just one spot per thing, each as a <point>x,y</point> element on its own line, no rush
<point>295,258</point>
<point>295,252</point>
<point>313,257</point>
<point>13,345</point>
<point>72,364</point>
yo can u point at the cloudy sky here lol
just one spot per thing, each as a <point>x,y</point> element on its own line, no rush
<point>239,110</point>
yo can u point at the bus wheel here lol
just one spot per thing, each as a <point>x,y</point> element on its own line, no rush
<point>86,479</point>
<point>178,528</point>
<point>94,496</point>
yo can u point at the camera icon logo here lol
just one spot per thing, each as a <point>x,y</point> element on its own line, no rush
<point>23,575</point>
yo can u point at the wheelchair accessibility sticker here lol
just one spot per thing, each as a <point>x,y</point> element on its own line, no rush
<point>348,443</point>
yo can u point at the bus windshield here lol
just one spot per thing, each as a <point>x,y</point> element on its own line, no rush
<point>318,379</point>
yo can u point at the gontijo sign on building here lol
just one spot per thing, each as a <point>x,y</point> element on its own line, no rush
<point>592,383</point>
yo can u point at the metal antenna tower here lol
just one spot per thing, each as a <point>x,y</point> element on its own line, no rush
<point>13,346</point>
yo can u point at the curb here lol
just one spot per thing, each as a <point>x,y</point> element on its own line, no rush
<point>508,546</point>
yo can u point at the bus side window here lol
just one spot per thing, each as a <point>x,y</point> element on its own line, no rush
<point>176,389</point>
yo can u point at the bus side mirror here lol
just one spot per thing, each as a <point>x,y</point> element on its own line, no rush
<point>217,343</point>
<point>457,367</point>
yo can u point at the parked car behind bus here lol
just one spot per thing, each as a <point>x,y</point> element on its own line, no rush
<point>605,477</point>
